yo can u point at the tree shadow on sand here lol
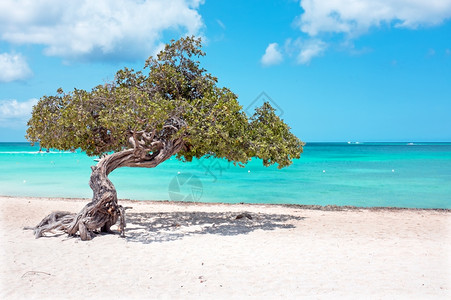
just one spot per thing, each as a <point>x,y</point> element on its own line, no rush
<point>169,226</point>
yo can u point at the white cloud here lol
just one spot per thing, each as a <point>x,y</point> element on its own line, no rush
<point>272,55</point>
<point>13,67</point>
<point>16,109</point>
<point>310,49</point>
<point>324,20</point>
<point>97,29</point>
<point>354,17</point>
<point>305,49</point>
<point>14,113</point>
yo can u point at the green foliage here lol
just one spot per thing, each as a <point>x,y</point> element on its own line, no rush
<point>176,99</point>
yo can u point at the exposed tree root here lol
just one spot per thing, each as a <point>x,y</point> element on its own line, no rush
<point>104,211</point>
<point>90,220</point>
<point>57,220</point>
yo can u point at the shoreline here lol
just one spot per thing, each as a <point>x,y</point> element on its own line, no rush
<point>299,206</point>
<point>204,251</point>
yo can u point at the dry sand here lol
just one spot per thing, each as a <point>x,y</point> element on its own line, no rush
<point>192,251</point>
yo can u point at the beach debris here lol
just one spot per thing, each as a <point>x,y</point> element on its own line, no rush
<point>35,273</point>
<point>243,215</point>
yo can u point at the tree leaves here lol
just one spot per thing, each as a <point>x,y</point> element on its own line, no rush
<point>177,99</point>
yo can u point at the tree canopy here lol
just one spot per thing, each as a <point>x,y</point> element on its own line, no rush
<point>172,104</point>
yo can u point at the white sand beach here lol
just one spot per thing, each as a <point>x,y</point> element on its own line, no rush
<point>201,251</point>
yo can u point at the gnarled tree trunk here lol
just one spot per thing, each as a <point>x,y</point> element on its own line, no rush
<point>104,211</point>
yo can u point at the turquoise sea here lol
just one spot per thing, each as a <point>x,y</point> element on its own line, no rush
<point>365,174</point>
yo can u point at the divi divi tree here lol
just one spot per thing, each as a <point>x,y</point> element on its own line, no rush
<point>172,107</point>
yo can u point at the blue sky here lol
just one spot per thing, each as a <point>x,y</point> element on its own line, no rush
<point>369,70</point>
